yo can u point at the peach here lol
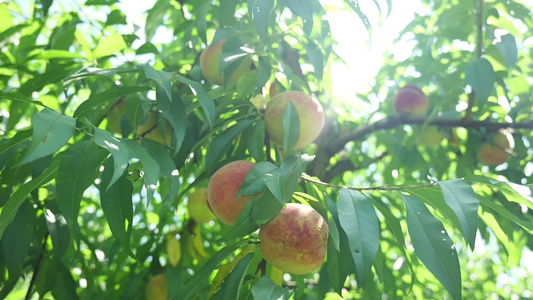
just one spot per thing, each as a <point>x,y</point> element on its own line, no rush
<point>429,136</point>
<point>198,208</point>
<point>412,100</point>
<point>295,240</point>
<point>309,112</point>
<point>157,288</point>
<point>493,153</point>
<point>150,129</point>
<point>210,65</point>
<point>222,189</point>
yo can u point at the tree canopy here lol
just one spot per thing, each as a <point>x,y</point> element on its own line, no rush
<point>110,136</point>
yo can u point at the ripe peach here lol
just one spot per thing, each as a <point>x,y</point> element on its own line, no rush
<point>309,111</point>
<point>412,100</point>
<point>210,65</point>
<point>429,136</point>
<point>198,208</point>
<point>157,288</point>
<point>295,240</point>
<point>150,129</point>
<point>493,153</point>
<point>222,189</point>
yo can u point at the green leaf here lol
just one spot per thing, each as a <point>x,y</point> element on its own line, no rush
<point>54,54</point>
<point>254,182</point>
<point>166,165</point>
<point>118,150</point>
<point>15,96</point>
<point>256,141</point>
<point>291,127</point>
<point>19,137</point>
<point>507,46</point>
<point>359,221</point>
<point>51,131</point>
<point>76,172</point>
<point>461,198</point>
<point>222,143</point>
<point>154,18</point>
<point>151,167</point>
<point>354,5</point>
<point>257,212</point>
<point>260,11</point>
<point>232,285</point>
<point>110,45</point>
<point>106,96</point>
<point>480,75</point>
<point>58,229</point>
<point>265,288</point>
<point>117,205</point>
<point>207,103</point>
<point>316,57</point>
<point>17,239</point>
<point>200,279</point>
<point>65,286</point>
<point>433,245</point>
<point>12,205</point>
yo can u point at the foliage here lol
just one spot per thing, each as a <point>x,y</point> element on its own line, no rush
<point>92,208</point>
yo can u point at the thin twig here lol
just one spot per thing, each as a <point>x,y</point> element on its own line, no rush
<point>36,269</point>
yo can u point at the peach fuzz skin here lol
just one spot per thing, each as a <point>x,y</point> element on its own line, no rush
<point>222,189</point>
<point>310,114</point>
<point>295,240</point>
<point>210,65</point>
<point>493,153</point>
<point>412,100</point>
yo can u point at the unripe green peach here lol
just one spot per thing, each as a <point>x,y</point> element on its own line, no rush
<point>150,129</point>
<point>157,288</point>
<point>210,65</point>
<point>494,152</point>
<point>295,240</point>
<point>222,189</point>
<point>198,207</point>
<point>310,114</point>
<point>412,100</point>
<point>429,136</point>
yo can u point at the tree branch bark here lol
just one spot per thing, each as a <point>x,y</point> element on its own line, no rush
<point>329,147</point>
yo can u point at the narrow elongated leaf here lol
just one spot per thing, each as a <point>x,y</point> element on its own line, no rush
<point>174,111</point>
<point>359,221</point>
<point>254,182</point>
<point>109,45</point>
<point>221,144</point>
<point>17,239</point>
<point>151,167</point>
<point>291,127</point>
<point>58,229</point>
<point>200,278</point>
<point>51,131</point>
<point>260,11</point>
<point>117,205</point>
<point>75,174</point>
<point>12,205</point>
<point>64,286</point>
<point>433,246</point>
<point>231,287</point>
<point>480,75</point>
<point>14,96</point>
<point>207,103</point>
<point>268,289</point>
<point>460,196</point>
<point>118,150</point>
<point>257,212</point>
<point>166,165</point>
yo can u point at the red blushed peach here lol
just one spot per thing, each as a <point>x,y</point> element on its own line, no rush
<point>494,152</point>
<point>222,189</point>
<point>210,65</point>
<point>309,112</point>
<point>295,240</point>
<point>412,100</point>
